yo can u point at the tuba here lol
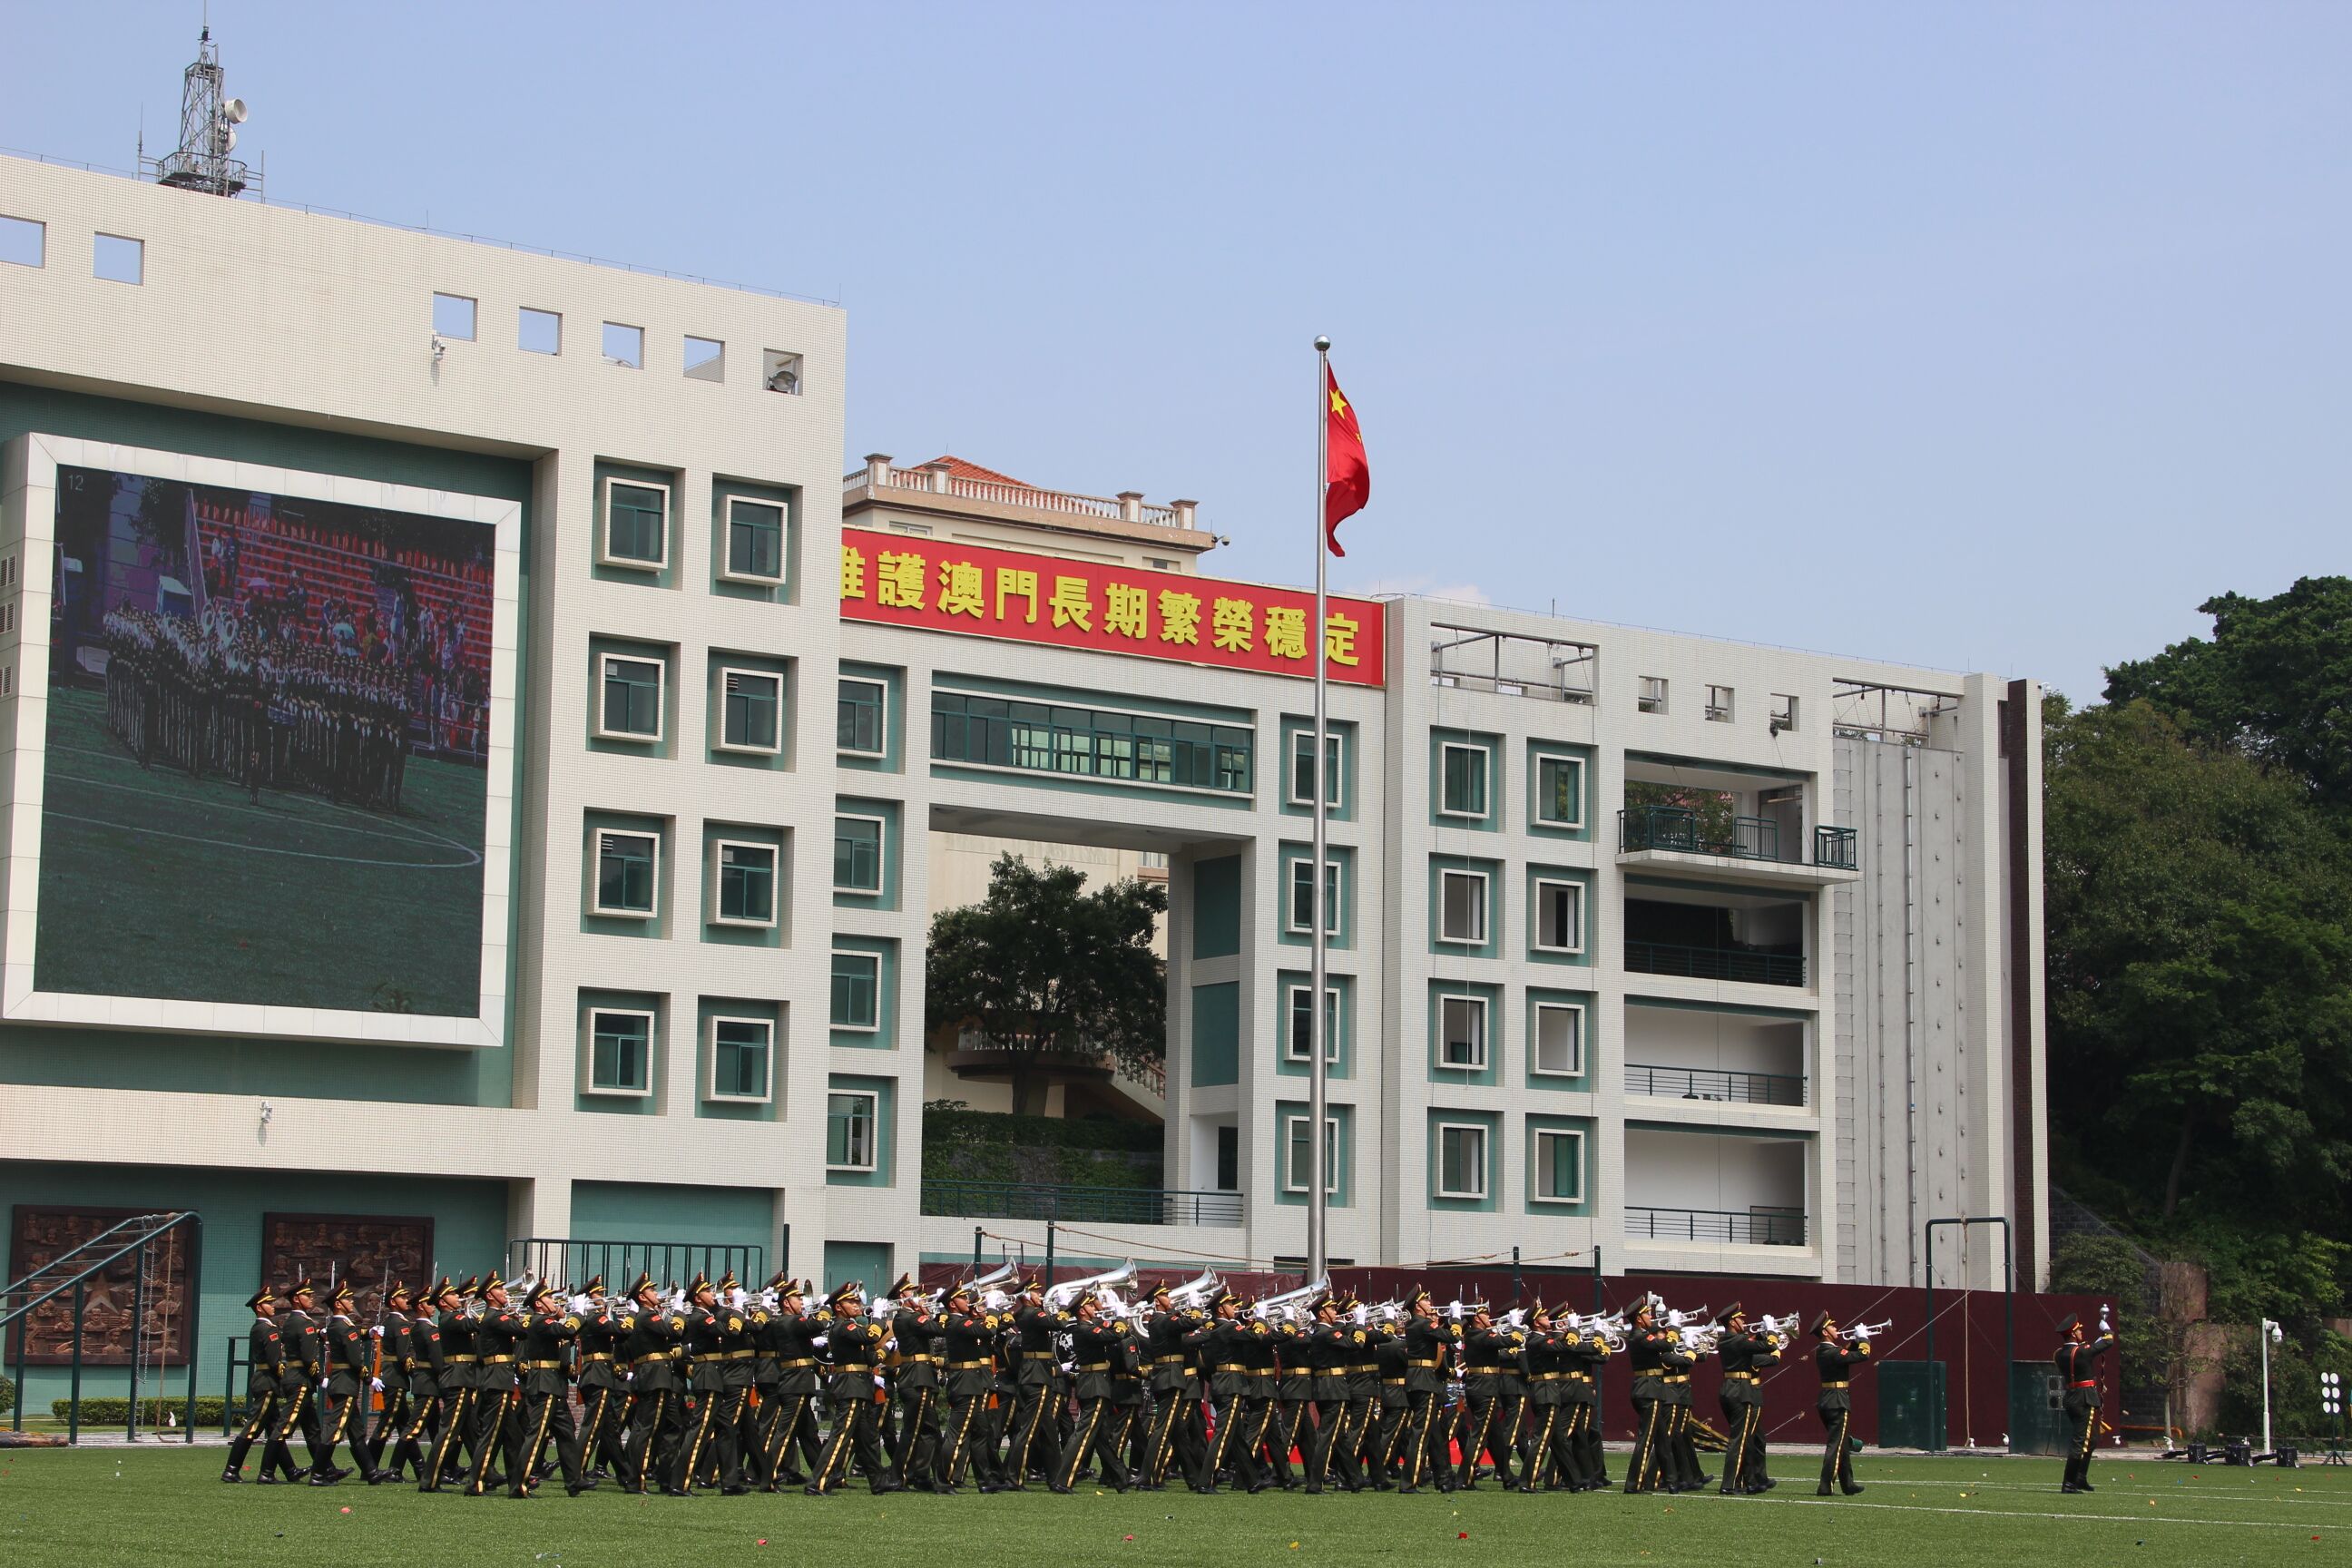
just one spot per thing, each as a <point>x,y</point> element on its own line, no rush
<point>1059,1296</point>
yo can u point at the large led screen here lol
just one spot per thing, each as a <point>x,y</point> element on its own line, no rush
<point>268,749</point>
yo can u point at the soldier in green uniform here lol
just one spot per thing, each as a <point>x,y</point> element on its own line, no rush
<point>453,1333</point>
<point>1745,1354</point>
<point>789,1330</point>
<point>1172,1371</point>
<point>305,1379</point>
<point>422,1365</point>
<point>1220,1343</point>
<point>1679,1449</point>
<point>1547,1453</point>
<point>713,1334</point>
<point>1331,1349</point>
<point>1388,1358</point>
<point>759,1463</point>
<point>603,1389</point>
<point>350,1383</point>
<point>653,1341</point>
<point>1363,1386</point>
<point>1489,1425</point>
<point>1429,1343</point>
<point>265,1371</point>
<point>853,1343</point>
<point>1646,1345</point>
<point>546,1408</point>
<point>393,1360</point>
<point>1094,1344</point>
<point>1835,1361</point>
<point>967,1364</point>
<point>498,1340</point>
<point>1035,1434</point>
<point>915,1386</point>
<point>2078,1361</point>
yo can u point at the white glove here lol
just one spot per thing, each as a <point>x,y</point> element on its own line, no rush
<point>1455,1312</point>
<point>878,1383</point>
<point>1069,1367</point>
<point>376,1332</point>
<point>322,1385</point>
<point>891,1343</point>
<point>1363,1316</point>
<point>376,1384</point>
<point>818,1343</point>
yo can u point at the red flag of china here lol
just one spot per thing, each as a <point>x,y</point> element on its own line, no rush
<point>1347,473</point>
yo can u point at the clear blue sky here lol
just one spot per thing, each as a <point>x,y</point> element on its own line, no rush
<point>1992,336</point>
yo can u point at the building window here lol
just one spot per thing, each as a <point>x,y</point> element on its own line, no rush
<point>1560,1040</point>
<point>1302,769</point>
<point>1462,906</point>
<point>755,542</point>
<point>858,854</point>
<point>705,359</point>
<point>23,242</point>
<point>751,711</point>
<point>636,524</point>
<point>851,1137</point>
<point>856,991</point>
<point>119,260</point>
<point>1297,1046</point>
<point>631,708</point>
<point>1039,737</point>
<point>780,371</point>
<point>744,878</point>
<point>1718,704</point>
<point>539,331</point>
<point>1461,1160</point>
<point>624,345</point>
<point>1301,920</point>
<point>1295,1177</point>
<point>620,1052</point>
<point>1229,1158</point>
<point>1463,774</point>
<point>862,706</point>
<point>1559,917</point>
<point>1784,713</point>
<point>453,317</point>
<point>1559,792</point>
<point>1653,696</point>
<point>1559,1156</point>
<point>627,865</point>
<point>1158,564</point>
<point>741,1052</point>
<point>1462,1032</point>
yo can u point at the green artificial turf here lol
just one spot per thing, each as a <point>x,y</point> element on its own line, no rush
<point>155,883</point>
<point>99,1506</point>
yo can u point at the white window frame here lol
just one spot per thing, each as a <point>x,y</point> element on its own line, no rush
<point>874,1120</point>
<point>588,1058</point>
<point>1484,1041</point>
<point>882,725</point>
<point>1535,1043</point>
<point>1722,703</point>
<point>1783,713</point>
<point>718,848</point>
<point>876,960</point>
<point>596,905</point>
<point>711,1075</point>
<point>1294,1179</point>
<point>1537,1164</point>
<point>1650,694</point>
<point>1556,759</point>
<point>1485,1162</point>
<point>605,661</point>
<point>604,556</point>
<point>783,540</point>
<point>1535,937</point>
<point>1334,892</point>
<point>1486,776</point>
<point>1304,740</point>
<point>722,743</point>
<point>1486,907</point>
<point>1334,1013</point>
<point>881,854</point>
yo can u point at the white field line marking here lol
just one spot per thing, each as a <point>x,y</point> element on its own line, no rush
<point>2020,1513</point>
<point>471,860</point>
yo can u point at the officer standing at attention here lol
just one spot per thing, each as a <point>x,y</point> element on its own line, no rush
<point>265,1375</point>
<point>2078,1361</point>
<point>1835,1361</point>
<point>1745,1354</point>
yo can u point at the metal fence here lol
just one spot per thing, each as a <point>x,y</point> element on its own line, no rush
<point>1751,1227</point>
<point>1748,963</point>
<point>574,1261</point>
<point>1099,1205</point>
<point>1713,1083</point>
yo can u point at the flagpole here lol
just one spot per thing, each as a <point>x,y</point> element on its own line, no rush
<point>1317,1219</point>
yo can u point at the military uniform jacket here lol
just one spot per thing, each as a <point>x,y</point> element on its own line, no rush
<point>917,1333</point>
<point>1675,1363</point>
<point>347,1356</point>
<point>719,1342</point>
<point>966,1342</point>
<point>1226,1355</point>
<point>398,1357</point>
<point>306,1361</point>
<point>1646,1351</point>
<point>602,1359</point>
<point>1544,1365</point>
<point>460,1360</point>
<point>1486,1353</point>
<point>1388,1356</point>
<point>1258,1353</point>
<point>497,1338</point>
<point>429,1374</point>
<point>789,1334</point>
<point>1426,1343</point>
<point>1331,1349</point>
<point>1295,1376</point>
<point>1094,1344</point>
<point>1582,1358</point>
<point>1165,1361</point>
<point>653,1342</point>
<point>852,1346</point>
<point>1363,1364</point>
<point>1033,1349</point>
<point>544,1336</point>
<point>266,1349</point>
<point>1744,1355</point>
<point>1835,1361</point>
<point>2078,1365</point>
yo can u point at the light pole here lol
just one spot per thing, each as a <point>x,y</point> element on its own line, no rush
<point>2270,1335</point>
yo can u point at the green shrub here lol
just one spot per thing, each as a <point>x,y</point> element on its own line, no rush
<point>8,1395</point>
<point>958,1128</point>
<point>114,1410</point>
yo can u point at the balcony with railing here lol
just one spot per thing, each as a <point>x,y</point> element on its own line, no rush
<point>1079,1206</point>
<point>1694,1188</point>
<point>882,481</point>
<point>1718,1085</point>
<point>1759,847</point>
<point>1750,965</point>
<point>1737,1227</point>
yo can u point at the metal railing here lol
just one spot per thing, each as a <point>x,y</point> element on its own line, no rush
<point>1682,830</point>
<point>1098,1205</point>
<point>1746,1227</point>
<point>574,1261</point>
<point>1750,964</point>
<point>1834,846</point>
<point>75,1270</point>
<point>1149,1073</point>
<point>1103,508</point>
<point>1716,1084</point>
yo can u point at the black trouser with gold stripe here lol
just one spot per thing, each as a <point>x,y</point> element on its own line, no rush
<point>1837,1458</point>
<point>1681,1445</point>
<point>1743,1447</point>
<point>298,1412</point>
<point>1490,1425</point>
<point>1583,1418</point>
<point>1335,1445</point>
<point>856,1434</point>
<point>1238,1419</point>
<point>1175,1437</point>
<point>455,1426</point>
<point>497,1430</point>
<point>605,1431</point>
<point>781,1417</point>
<point>1035,1434</point>
<point>919,1438</point>
<point>1101,1424</point>
<point>2081,1409</point>
<point>1643,1468</point>
<point>542,1416</point>
<point>1548,1454</point>
<point>261,1421</point>
<point>714,1436</point>
<point>962,1438</point>
<point>657,1438</point>
<point>1423,1407</point>
<point>345,1413</point>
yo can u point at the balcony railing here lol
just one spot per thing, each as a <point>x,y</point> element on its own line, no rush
<point>1095,1205</point>
<point>1149,1073</point>
<point>1716,1084</point>
<point>1746,1227</point>
<point>1753,965</point>
<point>1682,830</point>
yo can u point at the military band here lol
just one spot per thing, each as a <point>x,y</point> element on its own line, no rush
<point>990,1386</point>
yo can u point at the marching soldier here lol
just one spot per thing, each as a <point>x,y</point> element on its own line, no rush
<point>1332,1351</point>
<point>1646,1346</point>
<point>852,1342</point>
<point>453,1333</point>
<point>915,1381</point>
<point>1095,1345</point>
<point>1258,1354</point>
<point>1492,1420</point>
<point>603,1393</point>
<point>265,1377</point>
<point>350,1380</point>
<point>546,1407</point>
<point>1220,1342</point>
<point>1294,1397</point>
<point>498,1341</point>
<point>425,1367</point>
<point>2077,1361</point>
<point>397,1356</point>
<point>1387,1359</point>
<point>967,1343</point>
<point>758,1464</point>
<point>1363,1386</point>
<point>1587,1354</point>
<point>789,1330</point>
<point>1172,1372</point>
<point>305,1379</point>
<point>1835,1361</point>
<point>1679,1449</point>
<point>717,1337</point>
<point>1035,1435</point>
<point>1428,1341</point>
<point>1745,1354</point>
<point>653,1340</point>
<point>1549,1453</point>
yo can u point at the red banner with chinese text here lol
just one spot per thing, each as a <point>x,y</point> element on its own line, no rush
<point>980,591</point>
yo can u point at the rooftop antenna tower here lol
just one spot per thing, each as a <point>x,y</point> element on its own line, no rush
<point>208,122</point>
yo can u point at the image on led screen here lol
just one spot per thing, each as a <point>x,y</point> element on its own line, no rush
<point>268,735</point>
